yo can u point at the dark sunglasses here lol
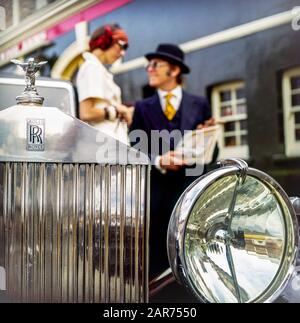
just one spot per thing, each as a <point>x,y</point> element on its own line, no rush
<point>123,45</point>
<point>156,65</point>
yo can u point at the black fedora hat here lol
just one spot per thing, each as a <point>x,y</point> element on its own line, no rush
<point>170,53</point>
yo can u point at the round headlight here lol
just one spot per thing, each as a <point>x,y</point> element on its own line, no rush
<point>233,236</point>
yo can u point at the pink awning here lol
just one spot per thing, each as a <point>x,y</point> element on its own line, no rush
<point>88,14</point>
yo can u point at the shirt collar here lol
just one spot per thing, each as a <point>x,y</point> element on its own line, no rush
<point>92,58</point>
<point>177,92</point>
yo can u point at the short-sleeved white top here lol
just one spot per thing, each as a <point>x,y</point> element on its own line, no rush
<point>95,81</point>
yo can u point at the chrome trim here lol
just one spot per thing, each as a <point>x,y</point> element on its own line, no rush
<point>185,204</point>
<point>296,204</point>
<point>67,139</point>
<point>30,94</point>
<point>158,283</point>
<point>240,163</point>
<point>74,210</point>
<point>74,233</point>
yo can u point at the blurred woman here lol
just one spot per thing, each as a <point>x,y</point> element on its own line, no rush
<point>99,96</point>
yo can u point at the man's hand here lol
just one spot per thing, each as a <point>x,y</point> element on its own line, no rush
<point>208,123</point>
<point>171,161</point>
<point>125,113</point>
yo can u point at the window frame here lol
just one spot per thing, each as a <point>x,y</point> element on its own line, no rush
<point>241,151</point>
<point>292,146</point>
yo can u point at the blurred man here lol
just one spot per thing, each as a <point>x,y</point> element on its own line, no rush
<point>169,109</point>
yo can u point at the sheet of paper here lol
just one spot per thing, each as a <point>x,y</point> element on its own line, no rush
<point>197,146</point>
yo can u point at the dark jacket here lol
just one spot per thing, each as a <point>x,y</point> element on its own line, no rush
<point>165,188</point>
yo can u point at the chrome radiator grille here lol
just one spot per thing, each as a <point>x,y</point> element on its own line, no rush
<point>74,232</point>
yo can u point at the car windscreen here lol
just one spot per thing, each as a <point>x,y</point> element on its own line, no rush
<point>59,94</point>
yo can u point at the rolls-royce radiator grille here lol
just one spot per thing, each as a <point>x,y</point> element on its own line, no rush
<point>74,232</point>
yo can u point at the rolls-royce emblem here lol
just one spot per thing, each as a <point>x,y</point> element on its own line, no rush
<point>35,135</point>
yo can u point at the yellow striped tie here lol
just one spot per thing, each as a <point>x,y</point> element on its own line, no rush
<point>170,110</point>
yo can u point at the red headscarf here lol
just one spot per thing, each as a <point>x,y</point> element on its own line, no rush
<point>107,38</point>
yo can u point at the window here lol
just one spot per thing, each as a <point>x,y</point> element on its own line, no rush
<point>291,111</point>
<point>229,108</point>
<point>8,9</point>
<point>34,18</point>
<point>17,10</point>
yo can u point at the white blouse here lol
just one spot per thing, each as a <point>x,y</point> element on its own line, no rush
<point>95,81</point>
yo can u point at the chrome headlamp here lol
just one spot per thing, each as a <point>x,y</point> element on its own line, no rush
<point>233,236</point>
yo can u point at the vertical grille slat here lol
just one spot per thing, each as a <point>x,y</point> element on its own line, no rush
<point>142,235</point>
<point>106,225</point>
<point>81,233</point>
<point>117,237</point>
<point>65,235</point>
<point>48,224</point>
<point>128,234</point>
<point>132,235</point>
<point>74,232</point>
<point>122,213</point>
<point>74,260</point>
<point>7,223</point>
<point>25,183</point>
<point>112,235</point>
<point>97,235</point>
<point>14,228</point>
<point>3,214</point>
<point>43,193</point>
<point>57,232</point>
<point>136,242</point>
<point>89,234</point>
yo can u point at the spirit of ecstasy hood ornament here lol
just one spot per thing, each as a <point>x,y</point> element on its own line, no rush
<point>29,95</point>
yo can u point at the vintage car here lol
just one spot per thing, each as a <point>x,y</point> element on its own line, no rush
<point>74,215</point>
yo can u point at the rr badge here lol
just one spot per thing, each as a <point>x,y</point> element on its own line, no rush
<point>35,135</point>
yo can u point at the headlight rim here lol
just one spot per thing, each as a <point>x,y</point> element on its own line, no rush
<point>181,214</point>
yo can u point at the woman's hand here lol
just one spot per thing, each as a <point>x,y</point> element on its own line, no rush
<point>125,113</point>
<point>208,123</point>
